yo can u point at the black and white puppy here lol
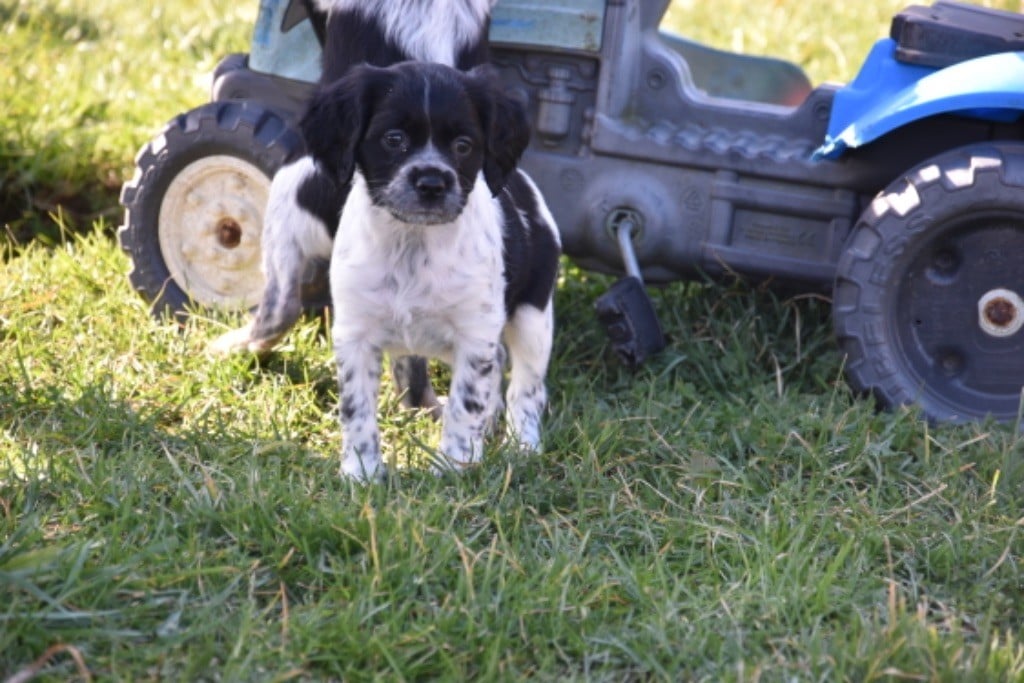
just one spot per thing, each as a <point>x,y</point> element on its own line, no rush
<point>304,204</point>
<point>448,252</point>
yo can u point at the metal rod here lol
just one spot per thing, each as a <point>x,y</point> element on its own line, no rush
<point>624,233</point>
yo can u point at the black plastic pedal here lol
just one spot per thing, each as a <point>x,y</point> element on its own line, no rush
<point>633,327</point>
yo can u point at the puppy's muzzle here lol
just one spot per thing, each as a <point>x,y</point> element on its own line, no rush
<point>426,194</point>
<point>431,184</point>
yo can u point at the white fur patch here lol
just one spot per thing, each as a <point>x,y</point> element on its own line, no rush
<point>419,25</point>
<point>288,224</point>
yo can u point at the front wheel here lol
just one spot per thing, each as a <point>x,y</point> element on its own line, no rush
<point>928,298</point>
<point>194,208</point>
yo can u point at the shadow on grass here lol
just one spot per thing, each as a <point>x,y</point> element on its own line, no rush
<point>114,517</point>
<point>43,189</point>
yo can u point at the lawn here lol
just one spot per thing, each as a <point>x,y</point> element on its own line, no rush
<point>731,512</point>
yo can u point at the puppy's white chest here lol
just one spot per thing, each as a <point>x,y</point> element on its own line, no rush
<point>423,300</point>
<point>414,289</point>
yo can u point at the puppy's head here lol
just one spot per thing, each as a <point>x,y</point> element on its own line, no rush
<point>420,134</point>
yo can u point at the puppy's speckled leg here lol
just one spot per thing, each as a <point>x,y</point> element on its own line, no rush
<point>529,337</point>
<point>476,378</point>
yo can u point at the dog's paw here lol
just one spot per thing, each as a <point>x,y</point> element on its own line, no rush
<point>516,443</point>
<point>457,452</point>
<point>441,465</point>
<point>241,341</point>
<point>432,408</point>
<point>362,471</point>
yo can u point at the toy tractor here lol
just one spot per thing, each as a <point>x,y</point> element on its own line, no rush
<point>902,193</point>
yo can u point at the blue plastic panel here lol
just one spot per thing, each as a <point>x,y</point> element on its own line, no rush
<point>568,25</point>
<point>888,94</point>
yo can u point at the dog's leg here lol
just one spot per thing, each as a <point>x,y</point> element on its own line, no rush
<point>358,382</point>
<point>528,335</point>
<point>293,238</point>
<point>412,382</point>
<point>497,401</point>
<point>476,378</point>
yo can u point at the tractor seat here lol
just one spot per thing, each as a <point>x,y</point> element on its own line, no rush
<point>951,32</point>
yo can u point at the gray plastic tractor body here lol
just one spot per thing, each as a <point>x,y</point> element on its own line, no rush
<point>900,194</point>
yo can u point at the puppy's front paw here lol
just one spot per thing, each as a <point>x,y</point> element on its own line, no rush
<point>440,464</point>
<point>362,470</point>
<point>515,443</point>
<point>458,453</point>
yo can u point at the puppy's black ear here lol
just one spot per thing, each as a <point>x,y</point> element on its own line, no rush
<point>336,117</point>
<point>504,122</point>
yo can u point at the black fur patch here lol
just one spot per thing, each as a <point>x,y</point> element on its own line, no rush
<point>354,39</point>
<point>531,252</point>
<point>476,54</point>
<point>322,196</point>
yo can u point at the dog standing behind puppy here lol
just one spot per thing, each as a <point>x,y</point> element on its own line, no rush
<point>445,250</point>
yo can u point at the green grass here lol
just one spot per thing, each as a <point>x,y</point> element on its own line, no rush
<point>730,512</point>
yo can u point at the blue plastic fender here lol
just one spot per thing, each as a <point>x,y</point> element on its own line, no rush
<point>887,94</point>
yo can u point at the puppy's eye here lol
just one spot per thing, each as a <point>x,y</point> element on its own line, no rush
<point>395,141</point>
<point>462,146</point>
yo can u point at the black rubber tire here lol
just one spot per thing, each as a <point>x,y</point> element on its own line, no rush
<point>914,284</point>
<point>241,130</point>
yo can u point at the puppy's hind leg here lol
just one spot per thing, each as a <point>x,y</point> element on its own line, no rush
<point>528,335</point>
<point>412,382</point>
<point>293,240</point>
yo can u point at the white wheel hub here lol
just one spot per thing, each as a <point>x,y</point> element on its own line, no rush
<point>210,228</point>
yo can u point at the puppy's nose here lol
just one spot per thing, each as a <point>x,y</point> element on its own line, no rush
<point>431,184</point>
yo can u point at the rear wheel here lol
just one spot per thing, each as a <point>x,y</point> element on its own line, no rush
<point>928,299</point>
<point>194,208</point>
